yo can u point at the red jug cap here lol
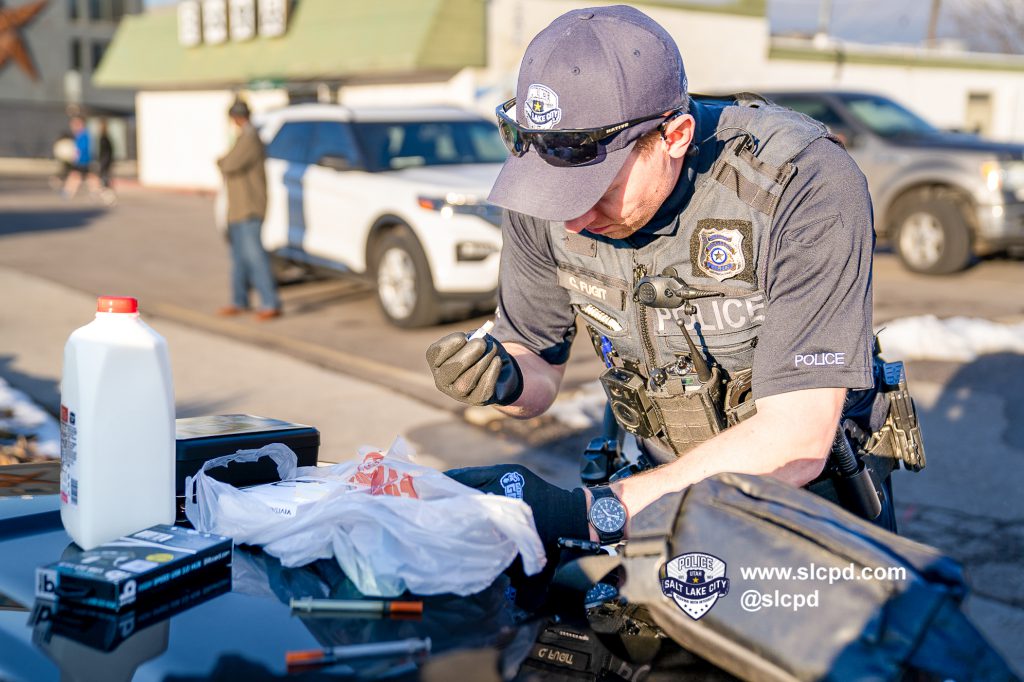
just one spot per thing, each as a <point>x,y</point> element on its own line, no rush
<point>117,304</point>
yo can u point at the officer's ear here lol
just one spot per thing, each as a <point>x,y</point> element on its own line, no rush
<point>677,134</point>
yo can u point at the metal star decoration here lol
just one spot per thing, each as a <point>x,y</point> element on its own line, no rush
<point>11,46</point>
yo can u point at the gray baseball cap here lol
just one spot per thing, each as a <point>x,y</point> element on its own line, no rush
<point>589,68</point>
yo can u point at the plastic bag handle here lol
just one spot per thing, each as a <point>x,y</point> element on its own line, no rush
<point>286,460</point>
<point>287,463</point>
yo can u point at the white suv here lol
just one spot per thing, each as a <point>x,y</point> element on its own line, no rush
<point>398,194</point>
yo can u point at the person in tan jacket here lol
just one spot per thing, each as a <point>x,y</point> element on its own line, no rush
<point>246,188</point>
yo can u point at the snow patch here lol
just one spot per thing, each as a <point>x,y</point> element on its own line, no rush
<point>20,416</point>
<point>926,337</point>
<point>582,408</point>
<point>958,339</point>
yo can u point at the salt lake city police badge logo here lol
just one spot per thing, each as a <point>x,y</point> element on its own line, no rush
<point>721,252</point>
<point>541,107</point>
<point>695,581</point>
<point>513,483</point>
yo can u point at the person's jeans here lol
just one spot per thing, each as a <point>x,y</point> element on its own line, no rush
<point>250,265</point>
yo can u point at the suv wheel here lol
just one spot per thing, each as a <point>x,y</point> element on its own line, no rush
<point>405,290</point>
<point>931,235</point>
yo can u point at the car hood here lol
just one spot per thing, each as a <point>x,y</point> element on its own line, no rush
<point>475,179</point>
<point>960,142</point>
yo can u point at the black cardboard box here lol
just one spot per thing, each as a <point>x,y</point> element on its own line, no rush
<point>134,568</point>
<point>105,630</point>
<point>200,439</point>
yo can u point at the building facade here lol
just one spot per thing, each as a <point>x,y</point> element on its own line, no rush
<point>47,75</point>
<point>467,52</point>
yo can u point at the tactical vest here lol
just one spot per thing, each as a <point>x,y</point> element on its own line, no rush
<point>719,244</point>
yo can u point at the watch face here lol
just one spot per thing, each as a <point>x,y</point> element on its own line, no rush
<point>599,594</point>
<point>608,515</point>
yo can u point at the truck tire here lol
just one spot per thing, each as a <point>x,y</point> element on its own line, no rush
<point>931,235</point>
<point>405,288</point>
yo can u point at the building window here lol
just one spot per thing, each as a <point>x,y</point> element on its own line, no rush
<point>73,10</point>
<point>76,54</point>
<point>98,48</point>
<point>978,117</point>
<point>106,10</point>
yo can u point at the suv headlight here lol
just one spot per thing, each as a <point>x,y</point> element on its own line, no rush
<point>1006,176</point>
<point>463,204</point>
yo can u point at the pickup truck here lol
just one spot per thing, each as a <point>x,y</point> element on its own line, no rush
<point>940,198</point>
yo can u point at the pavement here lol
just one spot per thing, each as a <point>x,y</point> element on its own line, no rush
<point>334,363</point>
<point>218,375</point>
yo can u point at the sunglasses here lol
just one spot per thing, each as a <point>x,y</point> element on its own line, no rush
<point>571,147</point>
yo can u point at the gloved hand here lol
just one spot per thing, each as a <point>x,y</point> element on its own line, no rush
<point>477,372</point>
<point>557,513</point>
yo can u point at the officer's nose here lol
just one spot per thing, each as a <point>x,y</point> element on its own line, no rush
<point>581,223</point>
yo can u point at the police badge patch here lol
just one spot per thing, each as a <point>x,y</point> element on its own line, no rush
<point>541,107</point>
<point>695,581</point>
<point>723,249</point>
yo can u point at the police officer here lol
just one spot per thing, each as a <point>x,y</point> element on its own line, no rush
<point>617,177</point>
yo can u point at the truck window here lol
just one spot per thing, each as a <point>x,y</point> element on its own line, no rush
<point>817,109</point>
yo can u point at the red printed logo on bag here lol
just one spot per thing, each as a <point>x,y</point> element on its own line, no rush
<point>382,479</point>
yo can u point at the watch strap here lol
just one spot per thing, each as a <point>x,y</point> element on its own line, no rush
<point>605,537</point>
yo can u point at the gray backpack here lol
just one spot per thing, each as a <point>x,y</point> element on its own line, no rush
<point>770,582</point>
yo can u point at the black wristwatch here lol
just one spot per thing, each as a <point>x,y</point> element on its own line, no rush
<point>607,515</point>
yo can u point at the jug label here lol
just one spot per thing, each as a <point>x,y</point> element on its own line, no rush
<point>68,456</point>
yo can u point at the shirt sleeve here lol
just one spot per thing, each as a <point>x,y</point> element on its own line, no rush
<point>246,152</point>
<point>533,310</point>
<point>817,329</point>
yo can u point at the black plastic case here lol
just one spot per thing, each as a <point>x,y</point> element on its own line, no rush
<point>200,439</point>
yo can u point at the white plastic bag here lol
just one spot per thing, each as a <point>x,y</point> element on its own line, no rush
<point>396,525</point>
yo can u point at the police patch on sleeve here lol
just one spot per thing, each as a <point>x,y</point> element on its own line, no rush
<point>541,107</point>
<point>723,249</point>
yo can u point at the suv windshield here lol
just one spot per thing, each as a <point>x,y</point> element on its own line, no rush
<point>392,146</point>
<point>886,118</point>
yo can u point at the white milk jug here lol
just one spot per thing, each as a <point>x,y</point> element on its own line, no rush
<point>116,427</point>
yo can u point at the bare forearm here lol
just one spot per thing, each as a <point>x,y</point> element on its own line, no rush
<point>787,439</point>
<point>540,383</point>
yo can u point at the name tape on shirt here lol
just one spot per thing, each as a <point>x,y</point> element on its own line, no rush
<point>593,288</point>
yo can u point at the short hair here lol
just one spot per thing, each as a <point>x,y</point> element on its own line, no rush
<point>648,142</point>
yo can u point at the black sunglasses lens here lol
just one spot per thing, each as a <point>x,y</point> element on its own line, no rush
<point>567,149</point>
<point>513,140</point>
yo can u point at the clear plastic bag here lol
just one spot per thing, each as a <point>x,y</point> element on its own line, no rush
<point>393,525</point>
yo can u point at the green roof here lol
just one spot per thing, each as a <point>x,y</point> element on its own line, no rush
<point>326,39</point>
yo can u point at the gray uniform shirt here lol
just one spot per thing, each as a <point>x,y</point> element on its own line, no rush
<point>818,280</point>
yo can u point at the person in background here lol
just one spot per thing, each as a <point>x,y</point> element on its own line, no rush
<point>80,168</point>
<point>246,187</point>
<point>104,164</point>
<point>65,154</point>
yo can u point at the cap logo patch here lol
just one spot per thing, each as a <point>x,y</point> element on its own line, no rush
<point>721,252</point>
<point>541,107</point>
